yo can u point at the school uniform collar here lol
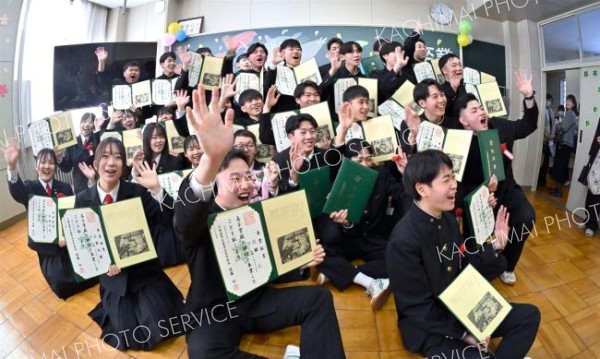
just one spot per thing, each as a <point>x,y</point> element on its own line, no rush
<point>157,159</point>
<point>113,193</point>
<point>83,138</point>
<point>423,216</point>
<point>46,183</point>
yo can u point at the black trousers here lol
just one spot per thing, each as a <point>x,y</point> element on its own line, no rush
<point>518,331</point>
<point>545,165</point>
<point>521,221</point>
<point>560,169</point>
<point>310,307</point>
<point>592,206</point>
<point>342,247</point>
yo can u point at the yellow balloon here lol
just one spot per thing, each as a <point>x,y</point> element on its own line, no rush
<point>173,28</point>
<point>463,40</point>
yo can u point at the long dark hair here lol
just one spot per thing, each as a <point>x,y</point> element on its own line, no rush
<point>148,132</point>
<point>575,106</point>
<point>111,144</point>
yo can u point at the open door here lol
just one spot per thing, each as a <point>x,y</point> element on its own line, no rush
<point>589,106</point>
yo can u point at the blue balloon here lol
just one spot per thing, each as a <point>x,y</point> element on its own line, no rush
<point>180,35</point>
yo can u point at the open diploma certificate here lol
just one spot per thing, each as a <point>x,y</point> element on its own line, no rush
<point>98,237</point>
<point>43,225</point>
<point>475,303</point>
<point>257,243</point>
<point>481,214</point>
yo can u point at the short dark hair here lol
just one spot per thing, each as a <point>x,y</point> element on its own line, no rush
<point>379,42</point>
<point>244,133</point>
<point>255,46</point>
<point>421,91</point>
<point>290,43</point>
<point>189,140</point>
<point>46,153</point>
<point>166,55</point>
<point>129,64</point>
<point>204,49</point>
<point>334,40</point>
<point>353,92</point>
<point>355,146</point>
<point>349,46</point>
<point>444,59</point>
<point>462,102</point>
<point>163,110</point>
<point>549,96</point>
<point>293,122</point>
<point>232,155</point>
<point>424,167</point>
<point>147,137</point>
<point>249,95</point>
<point>387,48</point>
<point>299,90</point>
<point>241,57</point>
<point>111,142</point>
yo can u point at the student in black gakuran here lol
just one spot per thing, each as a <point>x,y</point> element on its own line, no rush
<point>422,262</point>
<point>266,308</point>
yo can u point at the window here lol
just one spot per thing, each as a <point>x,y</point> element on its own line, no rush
<point>561,41</point>
<point>589,29</point>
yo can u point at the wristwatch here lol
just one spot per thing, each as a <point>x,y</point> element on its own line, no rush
<point>531,97</point>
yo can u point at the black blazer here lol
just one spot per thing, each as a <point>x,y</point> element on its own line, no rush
<point>76,154</point>
<point>451,96</point>
<point>143,273</point>
<point>20,192</point>
<point>285,102</point>
<point>388,82</point>
<point>169,163</point>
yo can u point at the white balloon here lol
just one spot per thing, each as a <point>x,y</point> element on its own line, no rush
<point>470,39</point>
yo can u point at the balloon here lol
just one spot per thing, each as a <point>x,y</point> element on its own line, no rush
<point>169,39</point>
<point>180,35</point>
<point>464,27</point>
<point>463,40</point>
<point>470,39</point>
<point>173,28</point>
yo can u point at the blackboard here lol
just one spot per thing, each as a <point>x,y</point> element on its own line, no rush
<point>480,55</point>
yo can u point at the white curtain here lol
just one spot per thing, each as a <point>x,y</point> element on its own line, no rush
<point>48,24</point>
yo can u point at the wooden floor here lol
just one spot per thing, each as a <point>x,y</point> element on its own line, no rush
<point>559,272</point>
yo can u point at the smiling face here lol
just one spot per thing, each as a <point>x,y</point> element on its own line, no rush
<point>109,163</point>
<point>168,66</point>
<point>157,142</point>
<point>310,96</point>
<point>420,52</point>
<point>452,68</point>
<point>360,108</point>
<point>441,194</point>
<point>246,144</point>
<point>244,64</point>
<point>257,58</point>
<point>474,117</point>
<point>253,107</point>
<point>45,167</point>
<point>129,121</point>
<point>234,185</point>
<point>193,153</point>
<point>86,126</point>
<point>353,57</point>
<point>305,135</point>
<point>292,55</point>
<point>131,74</point>
<point>435,103</point>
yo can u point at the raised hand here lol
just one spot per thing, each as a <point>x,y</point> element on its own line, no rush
<point>401,160</point>
<point>181,99</point>
<point>336,63</point>
<point>88,171</point>
<point>147,176</point>
<point>272,98</point>
<point>524,83</point>
<point>228,87</point>
<point>101,54</point>
<point>11,153</point>
<point>411,117</point>
<point>184,56</point>
<point>98,122</point>
<point>502,229</point>
<point>401,59</point>
<point>214,136</point>
<point>273,171</point>
<point>276,56</point>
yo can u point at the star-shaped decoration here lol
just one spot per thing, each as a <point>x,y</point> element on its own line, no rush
<point>4,20</point>
<point>3,90</point>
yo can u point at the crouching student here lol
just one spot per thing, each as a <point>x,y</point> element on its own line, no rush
<point>344,241</point>
<point>55,263</point>
<point>142,295</point>
<point>264,309</point>
<point>419,273</point>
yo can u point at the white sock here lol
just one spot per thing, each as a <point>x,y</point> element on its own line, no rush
<point>364,280</point>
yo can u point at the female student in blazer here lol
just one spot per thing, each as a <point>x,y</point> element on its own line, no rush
<point>156,153</point>
<point>140,296</point>
<point>54,258</point>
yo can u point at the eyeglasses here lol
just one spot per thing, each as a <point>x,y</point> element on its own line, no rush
<point>249,146</point>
